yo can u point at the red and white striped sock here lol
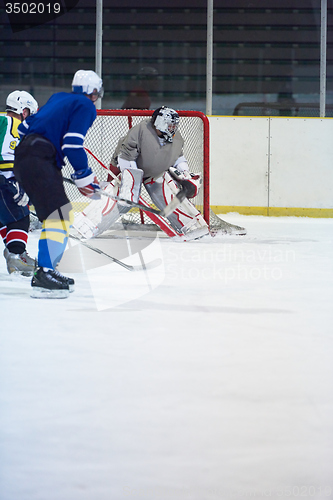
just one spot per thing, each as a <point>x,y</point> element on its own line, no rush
<point>16,240</point>
<point>3,233</point>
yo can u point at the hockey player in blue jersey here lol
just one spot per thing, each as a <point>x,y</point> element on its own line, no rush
<point>57,131</point>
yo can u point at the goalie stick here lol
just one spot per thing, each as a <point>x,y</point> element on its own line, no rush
<point>171,207</point>
<point>143,267</point>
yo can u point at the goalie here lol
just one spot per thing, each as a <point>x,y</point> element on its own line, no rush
<point>152,154</point>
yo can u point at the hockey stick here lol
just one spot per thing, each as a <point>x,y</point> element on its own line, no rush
<point>143,267</point>
<point>171,207</point>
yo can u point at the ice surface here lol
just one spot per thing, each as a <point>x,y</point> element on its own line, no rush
<point>208,377</point>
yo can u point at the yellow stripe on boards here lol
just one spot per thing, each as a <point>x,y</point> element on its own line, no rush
<point>301,212</point>
<point>217,209</point>
<point>275,211</point>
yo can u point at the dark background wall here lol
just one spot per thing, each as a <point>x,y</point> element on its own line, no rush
<point>264,51</point>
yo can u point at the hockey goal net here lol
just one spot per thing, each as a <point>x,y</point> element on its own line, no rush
<point>102,139</point>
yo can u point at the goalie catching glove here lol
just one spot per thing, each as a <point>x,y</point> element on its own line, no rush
<point>189,181</point>
<point>87,183</point>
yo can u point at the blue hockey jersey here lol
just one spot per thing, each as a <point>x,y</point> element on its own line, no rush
<point>64,120</point>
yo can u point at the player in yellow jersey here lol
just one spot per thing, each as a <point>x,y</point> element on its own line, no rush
<point>14,211</point>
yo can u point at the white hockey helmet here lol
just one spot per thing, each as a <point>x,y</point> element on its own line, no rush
<point>166,120</point>
<point>87,82</point>
<point>19,100</point>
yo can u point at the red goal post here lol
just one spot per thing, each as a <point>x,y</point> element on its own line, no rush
<point>112,124</point>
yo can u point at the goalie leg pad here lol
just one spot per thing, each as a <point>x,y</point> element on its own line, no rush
<point>99,215</point>
<point>186,219</point>
<point>161,195</point>
<point>130,187</point>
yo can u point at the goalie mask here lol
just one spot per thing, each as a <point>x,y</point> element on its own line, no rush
<point>166,120</point>
<point>87,82</point>
<point>19,100</point>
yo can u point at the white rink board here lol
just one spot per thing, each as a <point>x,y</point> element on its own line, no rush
<point>238,155</point>
<point>271,162</point>
<point>301,163</point>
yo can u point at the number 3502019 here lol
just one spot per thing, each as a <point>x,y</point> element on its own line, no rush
<point>32,8</point>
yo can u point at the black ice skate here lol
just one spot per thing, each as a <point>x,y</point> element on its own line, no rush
<point>65,279</point>
<point>47,285</point>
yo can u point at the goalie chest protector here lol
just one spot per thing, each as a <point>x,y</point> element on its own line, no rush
<point>142,145</point>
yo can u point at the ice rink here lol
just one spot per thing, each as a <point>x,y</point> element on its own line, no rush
<point>207,377</point>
